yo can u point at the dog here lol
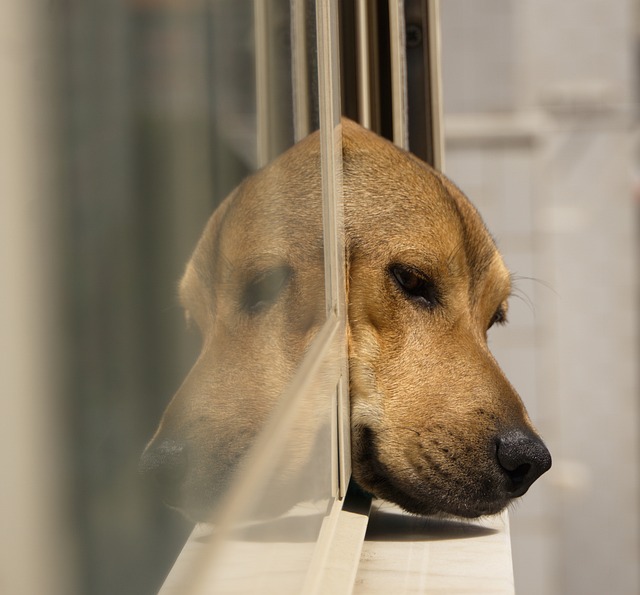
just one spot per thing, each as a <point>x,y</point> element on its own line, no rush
<point>435,426</point>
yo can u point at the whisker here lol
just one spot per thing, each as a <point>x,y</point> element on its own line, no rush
<point>544,284</point>
<point>520,294</point>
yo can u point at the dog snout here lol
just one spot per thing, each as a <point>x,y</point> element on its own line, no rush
<point>524,458</point>
<point>166,464</point>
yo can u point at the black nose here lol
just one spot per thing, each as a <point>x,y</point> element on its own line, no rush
<point>524,458</point>
<point>167,464</point>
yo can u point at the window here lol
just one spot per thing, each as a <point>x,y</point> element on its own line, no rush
<point>143,116</point>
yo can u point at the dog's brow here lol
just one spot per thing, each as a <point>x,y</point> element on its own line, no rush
<point>267,259</point>
<point>477,243</point>
<point>421,259</point>
<point>501,285</point>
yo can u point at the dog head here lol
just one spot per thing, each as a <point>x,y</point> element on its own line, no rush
<point>436,427</point>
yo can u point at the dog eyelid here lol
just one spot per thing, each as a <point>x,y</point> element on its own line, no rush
<point>415,285</point>
<point>263,289</point>
<point>499,317</point>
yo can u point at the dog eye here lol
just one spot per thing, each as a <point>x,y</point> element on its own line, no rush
<point>415,285</point>
<point>500,317</point>
<point>263,290</point>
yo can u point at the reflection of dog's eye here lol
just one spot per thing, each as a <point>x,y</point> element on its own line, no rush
<point>500,317</point>
<point>263,290</point>
<point>415,285</point>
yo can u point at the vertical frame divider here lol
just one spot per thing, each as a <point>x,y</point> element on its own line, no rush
<point>260,28</point>
<point>435,76</point>
<point>398,73</point>
<point>363,63</point>
<point>331,160</point>
<point>299,59</point>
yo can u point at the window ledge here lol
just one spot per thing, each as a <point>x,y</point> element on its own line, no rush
<point>403,553</point>
<point>400,554</point>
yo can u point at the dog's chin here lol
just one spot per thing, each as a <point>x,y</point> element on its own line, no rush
<point>467,496</point>
<point>430,502</point>
<point>426,501</point>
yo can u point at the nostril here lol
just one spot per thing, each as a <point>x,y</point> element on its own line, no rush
<point>166,463</point>
<point>523,457</point>
<point>519,474</point>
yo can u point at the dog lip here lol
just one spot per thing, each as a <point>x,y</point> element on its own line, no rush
<point>390,489</point>
<point>382,483</point>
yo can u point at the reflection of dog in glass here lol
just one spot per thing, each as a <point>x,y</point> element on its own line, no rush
<point>436,427</point>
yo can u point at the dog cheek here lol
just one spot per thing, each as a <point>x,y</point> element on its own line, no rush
<point>366,400</point>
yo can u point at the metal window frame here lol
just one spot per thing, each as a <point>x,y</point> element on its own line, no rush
<point>398,79</point>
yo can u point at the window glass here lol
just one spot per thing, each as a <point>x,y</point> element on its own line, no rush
<point>201,318</point>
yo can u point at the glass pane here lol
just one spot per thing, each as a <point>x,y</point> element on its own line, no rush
<point>161,114</point>
<point>265,531</point>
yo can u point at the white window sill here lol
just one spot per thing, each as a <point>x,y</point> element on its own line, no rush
<point>400,554</point>
<point>408,554</point>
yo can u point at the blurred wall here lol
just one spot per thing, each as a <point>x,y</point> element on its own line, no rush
<point>539,123</point>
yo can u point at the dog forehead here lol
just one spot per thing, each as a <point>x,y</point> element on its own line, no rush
<point>398,207</point>
<point>483,256</point>
<point>392,201</point>
<point>275,212</point>
<point>395,199</point>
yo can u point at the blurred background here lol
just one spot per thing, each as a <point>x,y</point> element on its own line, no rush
<point>540,102</point>
<point>116,142</point>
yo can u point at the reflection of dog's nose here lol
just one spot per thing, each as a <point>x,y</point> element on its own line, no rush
<point>523,457</point>
<point>166,463</point>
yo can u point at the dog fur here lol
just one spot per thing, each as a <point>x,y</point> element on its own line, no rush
<point>436,427</point>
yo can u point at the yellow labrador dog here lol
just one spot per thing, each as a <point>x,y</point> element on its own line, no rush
<point>436,426</point>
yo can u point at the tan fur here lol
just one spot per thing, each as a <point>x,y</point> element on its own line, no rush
<point>429,403</point>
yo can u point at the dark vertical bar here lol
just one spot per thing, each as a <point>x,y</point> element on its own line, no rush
<point>348,61</point>
<point>418,79</point>
<point>382,67</point>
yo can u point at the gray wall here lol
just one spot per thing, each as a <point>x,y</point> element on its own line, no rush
<point>540,124</point>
